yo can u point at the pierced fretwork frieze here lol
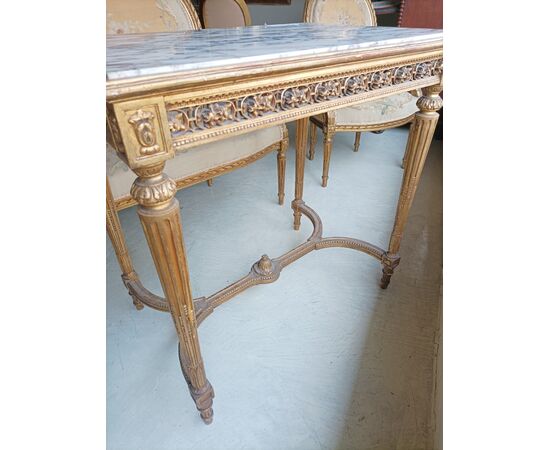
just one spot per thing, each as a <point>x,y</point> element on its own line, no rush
<point>189,119</point>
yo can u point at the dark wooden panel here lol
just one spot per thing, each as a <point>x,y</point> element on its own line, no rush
<point>421,14</point>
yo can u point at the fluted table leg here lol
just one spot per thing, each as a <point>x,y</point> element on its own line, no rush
<point>160,217</point>
<point>119,244</point>
<point>418,144</point>
<point>281,167</point>
<point>301,141</point>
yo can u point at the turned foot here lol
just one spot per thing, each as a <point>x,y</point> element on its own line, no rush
<point>324,181</point>
<point>203,397</point>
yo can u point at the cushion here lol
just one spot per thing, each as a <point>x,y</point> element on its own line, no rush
<point>195,160</point>
<point>388,109</point>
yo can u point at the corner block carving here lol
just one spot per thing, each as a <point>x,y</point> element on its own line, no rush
<point>142,121</point>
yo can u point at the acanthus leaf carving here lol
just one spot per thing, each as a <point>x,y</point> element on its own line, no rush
<point>153,191</point>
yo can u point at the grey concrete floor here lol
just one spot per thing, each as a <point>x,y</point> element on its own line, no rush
<point>321,359</point>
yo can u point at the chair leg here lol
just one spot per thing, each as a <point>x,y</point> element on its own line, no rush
<point>209,182</point>
<point>119,244</point>
<point>326,156</point>
<point>281,167</point>
<point>312,140</point>
<point>357,141</point>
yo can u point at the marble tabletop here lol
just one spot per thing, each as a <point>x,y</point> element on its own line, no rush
<point>135,55</point>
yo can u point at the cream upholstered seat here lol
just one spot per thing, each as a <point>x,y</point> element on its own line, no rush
<point>376,116</point>
<point>196,164</point>
<point>389,109</point>
<point>225,14</point>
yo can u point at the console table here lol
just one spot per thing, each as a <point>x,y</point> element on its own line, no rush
<point>167,92</point>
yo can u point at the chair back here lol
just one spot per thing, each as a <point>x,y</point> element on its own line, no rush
<point>150,16</point>
<point>225,14</point>
<point>340,12</point>
<point>421,14</point>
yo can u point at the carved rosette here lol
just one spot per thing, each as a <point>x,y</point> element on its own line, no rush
<point>215,114</point>
<point>153,191</point>
<point>381,79</point>
<point>327,90</point>
<point>187,119</point>
<point>403,74</point>
<point>423,70</point>
<point>142,121</point>
<point>258,105</point>
<point>295,97</point>
<point>355,85</point>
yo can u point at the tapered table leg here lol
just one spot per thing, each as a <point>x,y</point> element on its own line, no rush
<point>312,140</point>
<point>418,144</point>
<point>119,244</point>
<point>281,167</point>
<point>160,217</point>
<point>301,141</point>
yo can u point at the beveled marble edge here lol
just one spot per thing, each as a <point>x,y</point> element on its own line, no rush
<point>172,53</point>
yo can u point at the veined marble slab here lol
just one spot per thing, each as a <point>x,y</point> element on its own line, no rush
<point>134,55</point>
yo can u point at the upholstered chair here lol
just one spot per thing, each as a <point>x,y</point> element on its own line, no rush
<point>375,116</point>
<point>225,14</point>
<point>198,164</point>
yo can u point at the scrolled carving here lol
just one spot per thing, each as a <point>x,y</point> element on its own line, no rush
<point>153,191</point>
<point>189,119</point>
<point>142,121</point>
<point>178,121</point>
<point>438,67</point>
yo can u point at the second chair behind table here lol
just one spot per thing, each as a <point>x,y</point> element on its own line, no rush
<point>225,14</point>
<point>375,116</point>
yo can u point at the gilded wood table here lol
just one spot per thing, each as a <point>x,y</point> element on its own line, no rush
<point>171,91</point>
